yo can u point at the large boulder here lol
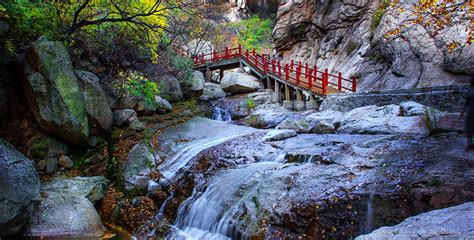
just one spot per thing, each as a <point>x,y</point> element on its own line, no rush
<point>449,223</point>
<point>413,126</point>
<point>237,83</point>
<point>64,215</point>
<point>170,89</point>
<point>53,92</point>
<point>136,170</point>
<point>212,91</point>
<point>124,117</point>
<point>193,87</point>
<point>266,117</point>
<point>19,186</point>
<point>333,117</point>
<point>97,106</point>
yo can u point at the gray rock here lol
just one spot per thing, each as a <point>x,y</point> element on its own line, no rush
<point>41,165</point>
<point>212,91</point>
<point>163,104</point>
<point>19,186</point>
<point>266,117</point>
<point>277,135</point>
<point>54,93</point>
<point>414,126</point>
<point>333,117</point>
<point>194,86</point>
<point>137,126</point>
<point>412,108</point>
<point>298,125</point>
<point>124,117</point>
<point>140,163</point>
<point>170,89</point>
<point>237,83</point>
<point>51,165</point>
<point>358,113</point>
<point>152,186</point>
<point>449,223</point>
<point>43,146</point>
<point>92,188</point>
<point>97,106</point>
<point>65,161</point>
<point>64,215</point>
<point>323,127</point>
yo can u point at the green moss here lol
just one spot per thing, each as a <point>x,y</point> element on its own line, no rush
<point>378,14</point>
<point>351,46</point>
<point>250,103</point>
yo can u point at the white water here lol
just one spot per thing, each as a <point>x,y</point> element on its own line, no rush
<point>368,226</point>
<point>215,211</point>
<point>221,114</point>
<point>179,163</point>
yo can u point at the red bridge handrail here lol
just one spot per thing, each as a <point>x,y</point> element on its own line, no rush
<point>301,75</point>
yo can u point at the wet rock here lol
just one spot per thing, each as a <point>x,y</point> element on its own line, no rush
<point>237,83</point>
<point>266,117</point>
<point>212,91</point>
<point>92,188</point>
<point>137,126</point>
<point>171,89</point>
<point>52,84</point>
<point>97,105</point>
<point>51,165</point>
<point>323,127</point>
<point>298,125</point>
<point>449,223</point>
<point>140,163</point>
<point>193,87</point>
<point>64,215</point>
<point>65,161</point>
<point>277,135</point>
<point>43,146</point>
<point>19,186</point>
<point>153,186</point>
<point>124,117</point>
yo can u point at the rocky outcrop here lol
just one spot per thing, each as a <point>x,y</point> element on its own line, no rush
<point>97,106</point>
<point>54,93</point>
<point>19,186</point>
<point>449,223</point>
<point>193,87</point>
<point>348,36</point>
<point>238,83</point>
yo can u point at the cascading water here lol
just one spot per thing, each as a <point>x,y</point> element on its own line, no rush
<point>368,225</point>
<point>232,200</point>
<point>221,114</point>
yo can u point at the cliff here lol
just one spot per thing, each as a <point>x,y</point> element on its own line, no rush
<point>348,36</point>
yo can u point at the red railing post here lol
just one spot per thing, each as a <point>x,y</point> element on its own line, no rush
<point>292,64</point>
<point>264,62</point>
<point>353,84</point>
<point>214,56</point>
<point>226,52</point>
<point>306,68</point>
<point>247,55</point>
<point>240,50</point>
<point>298,73</point>
<point>287,72</point>
<point>279,68</point>
<point>325,80</point>
<point>310,78</point>
<point>202,58</point>
<point>273,66</point>
<point>339,81</point>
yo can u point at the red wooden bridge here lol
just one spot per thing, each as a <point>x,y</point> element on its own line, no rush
<point>295,76</point>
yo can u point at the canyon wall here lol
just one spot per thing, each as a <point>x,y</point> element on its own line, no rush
<point>344,36</point>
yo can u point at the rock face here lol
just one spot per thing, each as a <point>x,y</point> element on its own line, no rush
<point>348,36</point>
<point>449,223</point>
<point>237,83</point>
<point>97,106</point>
<point>19,186</point>
<point>194,86</point>
<point>54,93</point>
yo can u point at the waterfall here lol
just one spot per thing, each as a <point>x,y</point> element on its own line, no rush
<point>368,225</point>
<point>216,210</point>
<point>221,114</point>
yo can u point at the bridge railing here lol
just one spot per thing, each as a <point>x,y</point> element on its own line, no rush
<point>302,75</point>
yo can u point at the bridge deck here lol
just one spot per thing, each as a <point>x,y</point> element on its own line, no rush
<point>297,75</point>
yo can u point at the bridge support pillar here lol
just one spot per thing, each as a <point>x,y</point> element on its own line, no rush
<point>221,75</point>
<point>312,104</point>
<point>269,83</point>
<point>299,103</point>
<point>276,92</point>
<point>208,74</point>
<point>288,103</point>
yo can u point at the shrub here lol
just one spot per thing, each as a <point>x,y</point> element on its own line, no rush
<point>137,85</point>
<point>378,14</point>
<point>250,103</point>
<point>351,46</point>
<point>253,33</point>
